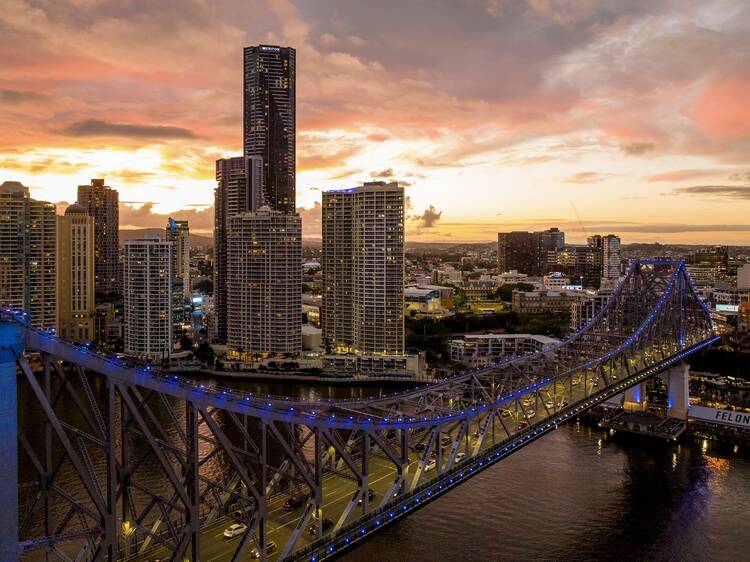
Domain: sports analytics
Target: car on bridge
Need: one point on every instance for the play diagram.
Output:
(460, 457)
(235, 530)
(325, 525)
(370, 495)
(296, 501)
(270, 549)
(431, 464)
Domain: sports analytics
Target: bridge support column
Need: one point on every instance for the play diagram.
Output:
(11, 344)
(635, 398)
(678, 380)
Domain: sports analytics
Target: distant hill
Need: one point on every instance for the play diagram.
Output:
(195, 239)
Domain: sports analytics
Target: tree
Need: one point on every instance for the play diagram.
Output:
(205, 354)
(186, 343)
(205, 286)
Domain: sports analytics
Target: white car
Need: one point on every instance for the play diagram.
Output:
(430, 465)
(460, 457)
(235, 530)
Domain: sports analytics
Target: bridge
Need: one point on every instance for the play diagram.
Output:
(130, 463)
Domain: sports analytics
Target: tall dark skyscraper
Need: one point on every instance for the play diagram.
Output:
(270, 122)
(101, 202)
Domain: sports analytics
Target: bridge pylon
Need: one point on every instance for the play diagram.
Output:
(11, 346)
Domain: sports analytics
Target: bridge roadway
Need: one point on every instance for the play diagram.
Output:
(339, 488)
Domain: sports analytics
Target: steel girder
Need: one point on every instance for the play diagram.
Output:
(157, 459)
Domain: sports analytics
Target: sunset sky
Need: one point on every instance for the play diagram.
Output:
(630, 117)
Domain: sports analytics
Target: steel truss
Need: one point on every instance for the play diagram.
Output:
(133, 462)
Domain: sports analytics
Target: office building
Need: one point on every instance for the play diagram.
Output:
(76, 309)
(363, 269)
(28, 232)
(148, 278)
(270, 122)
(517, 251)
(264, 289)
(101, 202)
(528, 252)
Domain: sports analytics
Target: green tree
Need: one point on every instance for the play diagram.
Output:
(205, 286)
(205, 354)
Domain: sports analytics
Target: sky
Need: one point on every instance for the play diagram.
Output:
(595, 116)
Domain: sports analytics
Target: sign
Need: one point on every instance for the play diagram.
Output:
(726, 417)
(727, 308)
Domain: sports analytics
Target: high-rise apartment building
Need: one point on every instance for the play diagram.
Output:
(264, 289)
(101, 202)
(178, 232)
(148, 278)
(363, 269)
(239, 183)
(270, 122)
(28, 233)
(611, 263)
(76, 309)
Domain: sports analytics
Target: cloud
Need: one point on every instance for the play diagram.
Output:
(740, 176)
(13, 97)
(312, 223)
(387, 173)
(587, 177)
(96, 128)
(144, 216)
(429, 218)
(682, 175)
(741, 192)
(637, 148)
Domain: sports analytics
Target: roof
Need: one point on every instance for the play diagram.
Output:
(75, 208)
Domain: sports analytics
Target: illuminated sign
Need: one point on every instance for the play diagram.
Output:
(272, 49)
(726, 417)
(197, 300)
(727, 308)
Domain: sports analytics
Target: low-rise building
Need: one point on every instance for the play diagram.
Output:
(476, 290)
(366, 366)
(556, 281)
(478, 350)
(511, 277)
(584, 310)
(540, 302)
(422, 301)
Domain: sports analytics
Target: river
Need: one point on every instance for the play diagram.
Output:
(579, 494)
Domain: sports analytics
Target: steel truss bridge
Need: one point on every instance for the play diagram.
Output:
(130, 463)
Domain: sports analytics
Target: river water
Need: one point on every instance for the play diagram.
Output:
(577, 494)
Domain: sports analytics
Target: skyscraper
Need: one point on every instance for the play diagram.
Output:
(178, 232)
(518, 251)
(270, 121)
(101, 202)
(76, 310)
(363, 269)
(28, 233)
(264, 290)
(148, 278)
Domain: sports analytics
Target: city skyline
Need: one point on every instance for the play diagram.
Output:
(595, 116)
